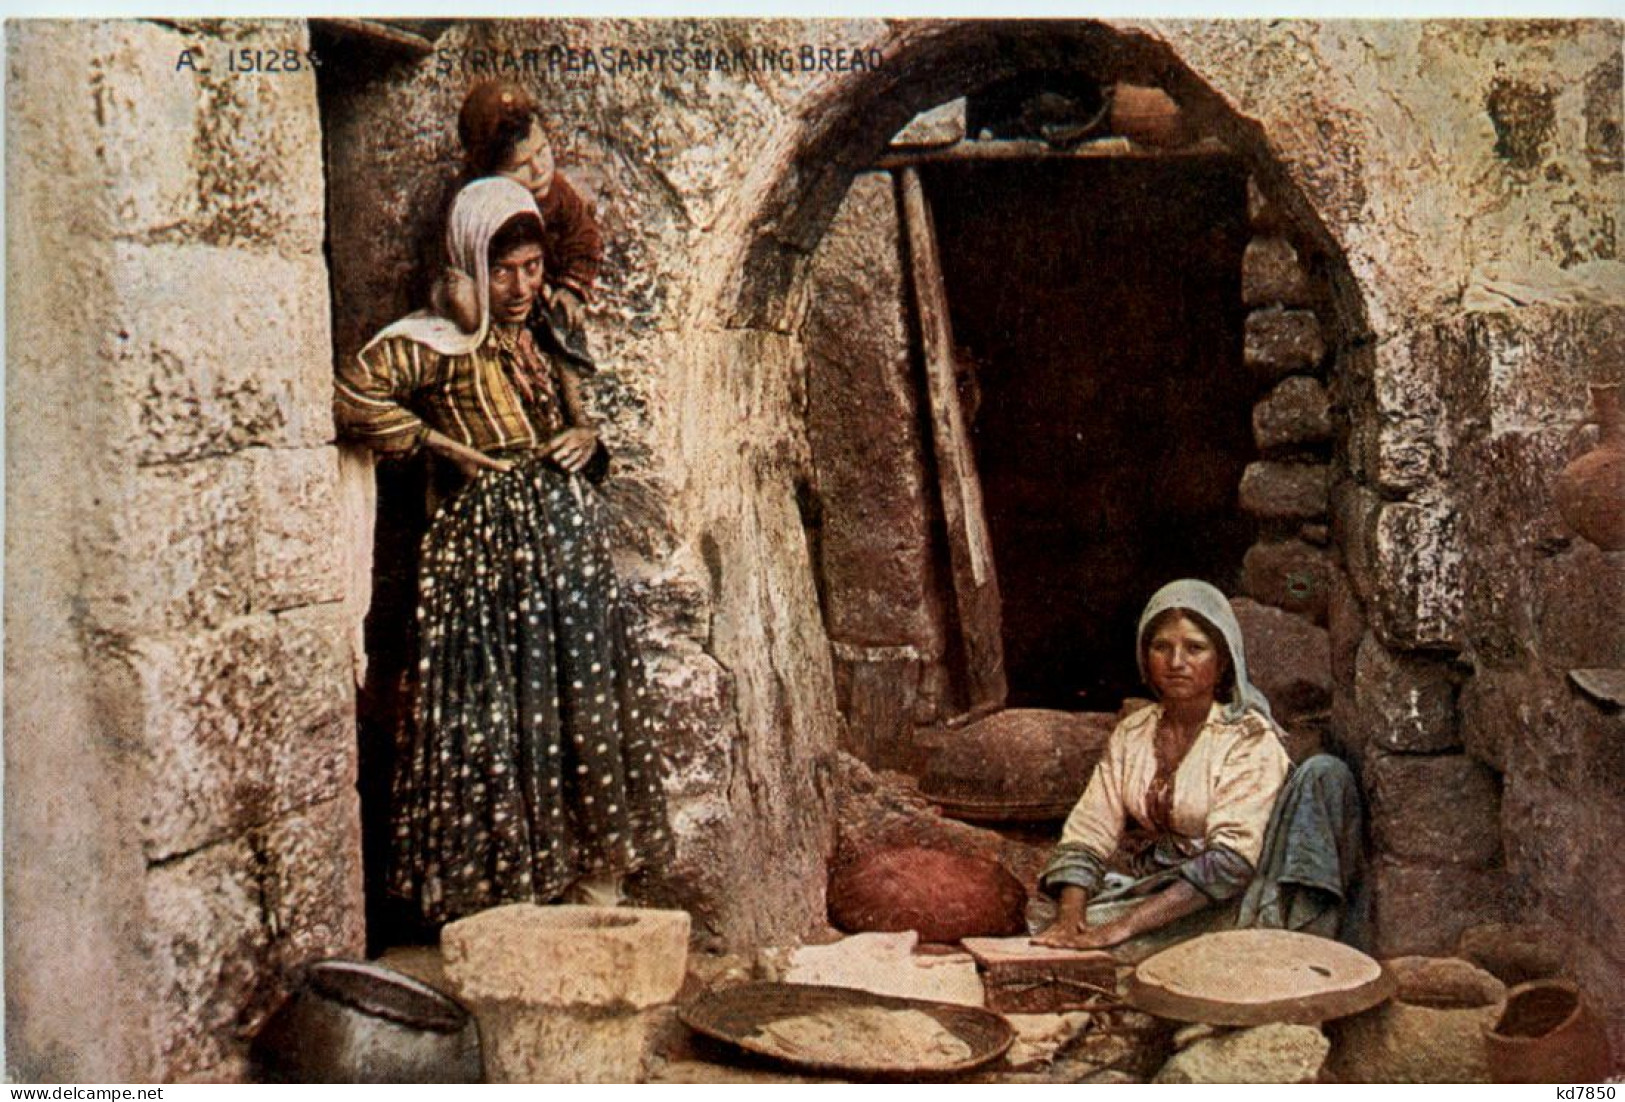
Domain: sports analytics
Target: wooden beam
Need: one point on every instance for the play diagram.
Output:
(970, 551)
(377, 34)
(1023, 150)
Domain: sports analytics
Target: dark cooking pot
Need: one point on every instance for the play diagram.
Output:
(1017, 765)
(352, 1022)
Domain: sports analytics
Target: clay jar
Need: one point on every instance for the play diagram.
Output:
(1148, 116)
(1546, 1034)
(1590, 491)
(945, 896)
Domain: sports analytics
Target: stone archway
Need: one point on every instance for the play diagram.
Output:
(1305, 350)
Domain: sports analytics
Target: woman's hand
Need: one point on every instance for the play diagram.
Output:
(471, 461)
(572, 448)
(1069, 932)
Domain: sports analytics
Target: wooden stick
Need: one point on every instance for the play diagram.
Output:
(970, 552)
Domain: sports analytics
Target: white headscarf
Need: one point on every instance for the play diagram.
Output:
(478, 212)
(1206, 601)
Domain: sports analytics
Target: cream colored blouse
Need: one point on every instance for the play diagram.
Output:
(1224, 790)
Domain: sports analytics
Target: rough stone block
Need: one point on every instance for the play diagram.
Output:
(1517, 952)
(941, 125)
(1285, 491)
(249, 363)
(1417, 577)
(296, 550)
(1435, 809)
(1430, 1032)
(243, 724)
(1407, 704)
(208, 946)
(1262, 214)
(1487, 704)
(311, 869)
(1296, 414)
(1537, 360)
(1291, 575)
(696, 697)
(1422, 909)
(1282, 342)
(1412, 445)
(1272, 274)
(1288, 658)
(180, 553)
(1345, 622)
(863, 424)
(567, 956)
(208, 153)
(1579, 608)
(1497, 617)
(1263, 1054)
(878, 700)
(1354, 528)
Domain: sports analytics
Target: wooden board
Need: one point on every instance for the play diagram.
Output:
(970, 551)
(1022, 978)
(1255, 977)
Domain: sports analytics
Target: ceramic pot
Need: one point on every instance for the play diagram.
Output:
(1547, 1034)
(945, 896)
(1016, 765)
(1148, 116)
(1590, 491)
(352, 1022)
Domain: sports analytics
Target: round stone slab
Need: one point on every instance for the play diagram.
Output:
(1254, 977)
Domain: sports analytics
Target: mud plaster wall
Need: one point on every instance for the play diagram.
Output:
(1395, 142)
(180, 807)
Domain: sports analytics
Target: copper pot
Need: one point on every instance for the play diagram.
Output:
(1547, 1034)
(353, 1022)
(1590, 491)
(1148, 116)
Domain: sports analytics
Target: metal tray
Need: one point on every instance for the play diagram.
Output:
(733, 1015)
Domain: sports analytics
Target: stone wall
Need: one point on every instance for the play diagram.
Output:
(180, 808)
(881, 584)
(1489, 157)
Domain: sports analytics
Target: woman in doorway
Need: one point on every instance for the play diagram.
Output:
(1190, 822)
(528, 769)
(500, 128)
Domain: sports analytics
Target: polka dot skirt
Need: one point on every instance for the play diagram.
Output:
(530, 759)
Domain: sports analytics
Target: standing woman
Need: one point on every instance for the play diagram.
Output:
(527, 770)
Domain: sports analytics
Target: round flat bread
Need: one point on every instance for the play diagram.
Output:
(1254, 977)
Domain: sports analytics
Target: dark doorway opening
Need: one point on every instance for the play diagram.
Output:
(1099, 300)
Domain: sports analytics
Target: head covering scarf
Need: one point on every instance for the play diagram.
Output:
(1201, 598)
(478, 212)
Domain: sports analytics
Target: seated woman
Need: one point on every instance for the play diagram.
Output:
(1192, 801)
(528, 769)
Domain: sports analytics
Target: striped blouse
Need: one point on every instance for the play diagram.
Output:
(504, 396)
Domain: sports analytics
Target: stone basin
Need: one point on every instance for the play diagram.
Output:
(562, 993)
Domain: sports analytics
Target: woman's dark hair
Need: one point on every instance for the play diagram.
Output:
(523, 228)
(495, 119)
(1226, 688)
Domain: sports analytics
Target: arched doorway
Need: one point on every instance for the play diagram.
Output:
(1158, 346)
